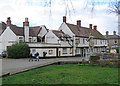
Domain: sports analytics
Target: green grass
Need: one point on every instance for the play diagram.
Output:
(65, 74)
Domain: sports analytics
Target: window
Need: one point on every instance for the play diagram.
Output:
(100, 41)
(64, 51)
(77, 41)
(30, 39)
(77, 50)
(96, 41)
(70, 50)
(50, 52)
(83, 40)
(20, 39)
(105, 41)
(115, 41)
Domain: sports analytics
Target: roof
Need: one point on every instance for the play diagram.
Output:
(17, 30)
(84, 31)
(60, 34)
(113, 36)
(33, 31)
(1, 31)
(2, 27)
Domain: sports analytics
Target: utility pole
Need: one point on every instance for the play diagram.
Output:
(119, 22)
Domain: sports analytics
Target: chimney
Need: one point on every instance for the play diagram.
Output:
(90, 26)
(26, 29)
(64, 19)
(107, 33)
(8, 21)
(114, 32)
(95, 27)
(26, 22)
(79, 23)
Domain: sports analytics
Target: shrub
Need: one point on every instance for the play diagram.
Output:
(18, 50)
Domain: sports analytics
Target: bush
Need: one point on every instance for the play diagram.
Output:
(18, 50)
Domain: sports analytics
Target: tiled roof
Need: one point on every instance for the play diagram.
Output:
(84, 31)
(17, 30)
(2, 27)
(33, 31)
(60, 34)
(113, 36)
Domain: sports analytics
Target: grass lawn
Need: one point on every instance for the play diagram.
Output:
(65, 74)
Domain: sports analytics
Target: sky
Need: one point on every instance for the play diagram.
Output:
(41, 13)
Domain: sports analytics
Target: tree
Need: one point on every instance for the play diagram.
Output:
(18, 50)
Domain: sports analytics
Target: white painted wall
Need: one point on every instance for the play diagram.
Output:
(51, 37)
(26, 33)
(66, 29)
(8, 38)
(0, 44)
(43, 31)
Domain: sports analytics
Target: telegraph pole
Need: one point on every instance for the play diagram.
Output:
(119, 23)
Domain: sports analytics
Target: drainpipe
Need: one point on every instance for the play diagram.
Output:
(74, 46)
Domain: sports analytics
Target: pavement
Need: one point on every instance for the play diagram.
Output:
(12, 66)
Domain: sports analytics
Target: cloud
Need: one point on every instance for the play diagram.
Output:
(40, 14)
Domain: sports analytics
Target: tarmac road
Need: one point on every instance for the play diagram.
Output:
(12, 65)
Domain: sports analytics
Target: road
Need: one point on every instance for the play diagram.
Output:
(15, 65)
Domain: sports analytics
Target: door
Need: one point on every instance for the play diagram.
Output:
(56, 52)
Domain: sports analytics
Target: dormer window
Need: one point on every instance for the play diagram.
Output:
(115, 41)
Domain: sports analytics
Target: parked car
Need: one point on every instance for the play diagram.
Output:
(103, 52)
(4, 54)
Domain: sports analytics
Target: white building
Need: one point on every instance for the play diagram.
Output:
(12, 34)
(77, 38)
(68, 40)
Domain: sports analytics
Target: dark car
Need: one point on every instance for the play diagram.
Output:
(4, 54)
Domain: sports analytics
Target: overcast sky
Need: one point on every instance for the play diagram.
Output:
(40, 13)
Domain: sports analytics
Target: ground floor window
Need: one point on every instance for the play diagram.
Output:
(64, 51)
(50, 52)
(71, 50)
(77, 50)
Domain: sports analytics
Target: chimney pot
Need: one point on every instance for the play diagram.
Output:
(114, 32)
(95, 27)
(8, 21)
(26, 23)
(26, 19)
(91, 26)
(79, 23)
(64, 19)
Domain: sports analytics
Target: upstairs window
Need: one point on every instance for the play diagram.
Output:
(100, 41)
(83, 40)
(30, 39)
(96, 41)
(20, 39)
(115, 41)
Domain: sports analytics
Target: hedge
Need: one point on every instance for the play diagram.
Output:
(18, 50)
